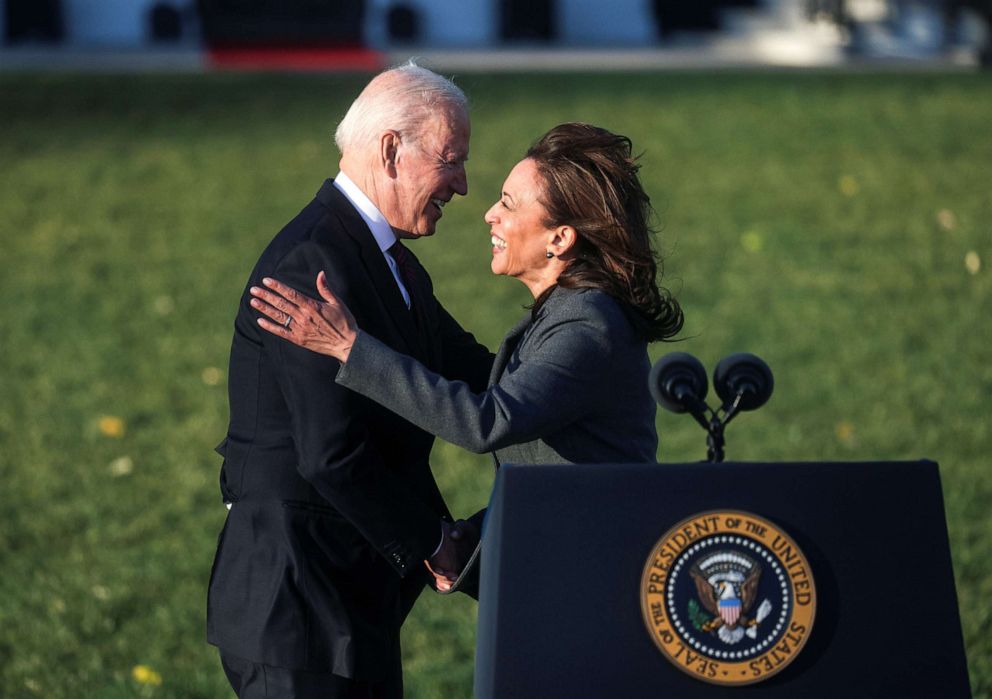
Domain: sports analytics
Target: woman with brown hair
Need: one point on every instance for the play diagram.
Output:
(570, 381)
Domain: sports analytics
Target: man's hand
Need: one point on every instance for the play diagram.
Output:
(458, 542)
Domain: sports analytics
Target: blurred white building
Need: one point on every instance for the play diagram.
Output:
(793, 32)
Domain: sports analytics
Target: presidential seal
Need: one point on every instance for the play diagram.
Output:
(728, 597)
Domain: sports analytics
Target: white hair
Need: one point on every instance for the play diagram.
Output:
(401, 99)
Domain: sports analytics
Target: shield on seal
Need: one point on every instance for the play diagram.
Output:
(730, 610)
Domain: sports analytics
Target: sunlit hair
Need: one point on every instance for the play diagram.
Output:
(402, 99)
(589, 182)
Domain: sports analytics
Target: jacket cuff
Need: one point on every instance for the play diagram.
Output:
(361, 360)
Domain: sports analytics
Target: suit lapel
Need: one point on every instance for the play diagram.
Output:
(425, 314)
(374, 262)
(510, 343)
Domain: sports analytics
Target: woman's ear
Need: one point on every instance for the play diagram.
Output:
(389, 144)
(563, 240)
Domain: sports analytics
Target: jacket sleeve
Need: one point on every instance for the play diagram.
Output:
(560, 378)
(332, 436)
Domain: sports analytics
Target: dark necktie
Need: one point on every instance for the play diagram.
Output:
(408, 272)
(410, 275)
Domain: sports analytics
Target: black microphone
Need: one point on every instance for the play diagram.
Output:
(678, 383)
(743, 380)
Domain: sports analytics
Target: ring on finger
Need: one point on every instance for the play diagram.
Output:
(289, 319)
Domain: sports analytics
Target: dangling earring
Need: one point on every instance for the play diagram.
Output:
(549, 254)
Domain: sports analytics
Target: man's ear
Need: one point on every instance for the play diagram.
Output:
(389, 144)
(563, 240)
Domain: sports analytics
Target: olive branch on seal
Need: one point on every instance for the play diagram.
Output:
(697, 616)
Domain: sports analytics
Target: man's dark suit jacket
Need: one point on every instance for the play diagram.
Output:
(334, 504)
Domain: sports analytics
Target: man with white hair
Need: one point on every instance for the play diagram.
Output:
(333, 507)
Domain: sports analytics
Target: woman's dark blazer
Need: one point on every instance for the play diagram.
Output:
(567, 386)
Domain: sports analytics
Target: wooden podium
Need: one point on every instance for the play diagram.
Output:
(566, 567)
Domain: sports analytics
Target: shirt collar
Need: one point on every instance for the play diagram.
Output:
(381, 230)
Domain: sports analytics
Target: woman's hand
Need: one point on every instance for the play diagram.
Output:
(325, 327)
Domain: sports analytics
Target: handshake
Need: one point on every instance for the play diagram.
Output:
(458, 542)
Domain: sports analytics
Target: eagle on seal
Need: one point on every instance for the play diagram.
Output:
(727, 585)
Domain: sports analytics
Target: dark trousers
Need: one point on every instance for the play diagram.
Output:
(256, 681)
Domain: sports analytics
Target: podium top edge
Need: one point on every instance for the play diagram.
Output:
(518, 468)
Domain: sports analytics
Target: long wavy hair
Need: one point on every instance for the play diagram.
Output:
(590, 183)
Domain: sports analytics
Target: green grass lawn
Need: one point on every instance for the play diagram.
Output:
(840, 226)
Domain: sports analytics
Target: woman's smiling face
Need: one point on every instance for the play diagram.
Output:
(520, 240)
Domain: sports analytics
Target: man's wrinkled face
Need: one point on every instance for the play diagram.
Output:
(430, 170)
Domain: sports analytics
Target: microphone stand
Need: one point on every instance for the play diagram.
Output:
(714, 424)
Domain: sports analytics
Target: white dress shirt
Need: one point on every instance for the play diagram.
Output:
(381, 230)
